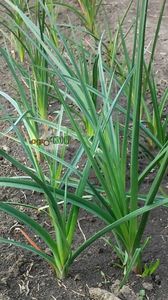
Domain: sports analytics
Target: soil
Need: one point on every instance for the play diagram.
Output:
(26, 276)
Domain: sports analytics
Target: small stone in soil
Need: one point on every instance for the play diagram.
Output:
(147, 286)
(6, 149)
(77, 277)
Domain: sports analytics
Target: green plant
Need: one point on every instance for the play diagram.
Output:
(16, 25)
(52, 13)
(155, 120)
(61, 256)
(17, 70)
(36, 77)
(151, 268)
(142, 295)
(152, 116)
(60, 247)
(39, 66)
(106, 154)
(34, 74)
(87, 12)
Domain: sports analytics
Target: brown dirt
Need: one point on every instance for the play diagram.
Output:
(24, 275)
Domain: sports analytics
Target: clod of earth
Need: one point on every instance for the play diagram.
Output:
(100, 294)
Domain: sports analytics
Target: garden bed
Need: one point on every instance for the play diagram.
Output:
(26, 276)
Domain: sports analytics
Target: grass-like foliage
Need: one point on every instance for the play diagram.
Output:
(104, 138)
(152, 116)
(35, 72)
